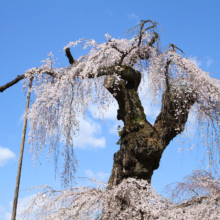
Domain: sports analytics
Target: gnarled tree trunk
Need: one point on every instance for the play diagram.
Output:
(142, 144)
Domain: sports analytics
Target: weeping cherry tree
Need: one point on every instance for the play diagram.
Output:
(117, 70)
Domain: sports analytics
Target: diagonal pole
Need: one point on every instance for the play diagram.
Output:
(13, 217)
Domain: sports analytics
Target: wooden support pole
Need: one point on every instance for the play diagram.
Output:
(13, 217)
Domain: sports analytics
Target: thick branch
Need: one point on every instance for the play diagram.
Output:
(132, 76)
(141, 33)
(19, 78)
(191, 202)
(153, 39)
(173, 117)
(69, 56)
(8, 85)
(142, 23)
(167, 76)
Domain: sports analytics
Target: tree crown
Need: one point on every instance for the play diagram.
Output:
(61, 94)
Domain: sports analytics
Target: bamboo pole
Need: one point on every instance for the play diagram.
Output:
(13, 217)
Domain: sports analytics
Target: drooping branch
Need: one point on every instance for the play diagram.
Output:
(142, 32)
(174, 48)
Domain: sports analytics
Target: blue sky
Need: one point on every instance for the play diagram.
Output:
(31, 29)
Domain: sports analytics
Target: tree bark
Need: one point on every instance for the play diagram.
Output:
(142, 144)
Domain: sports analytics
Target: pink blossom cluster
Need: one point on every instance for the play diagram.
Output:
(132, 199)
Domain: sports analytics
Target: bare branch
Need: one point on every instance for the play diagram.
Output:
(142, 23)
(174, 48)
(69, 56)
(153, 39)
(13, 82)
(113, 46)
(192, 202)
(155, 36)
(19, 78)
(167, 76)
